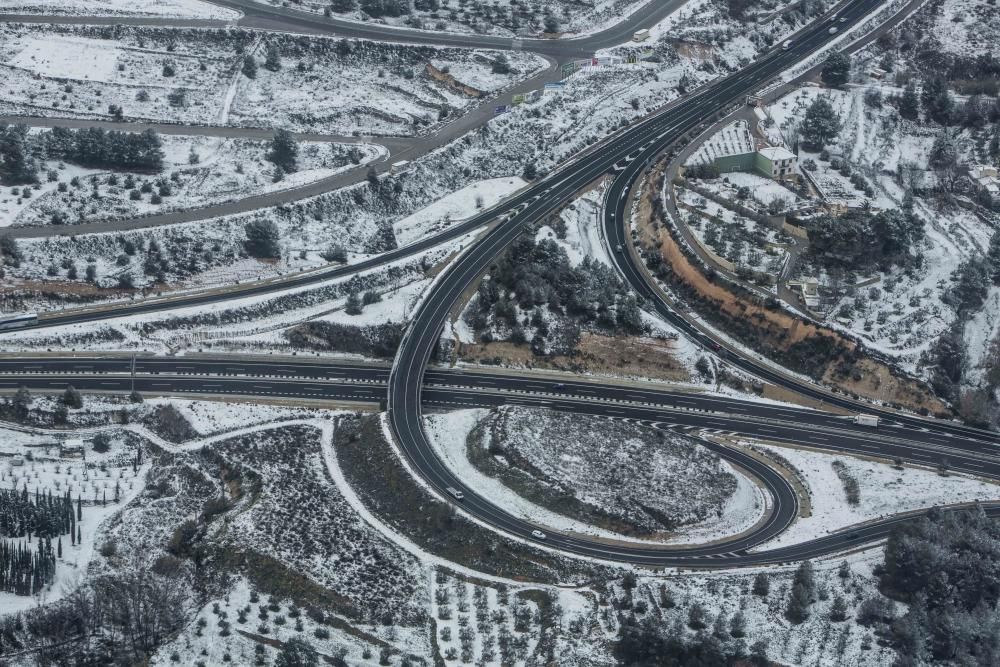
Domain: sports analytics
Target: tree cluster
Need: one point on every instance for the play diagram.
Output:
(17, 164)
(860, 240)
(646, 644)
(105, 149)
(263, 239)
(23, 570)
(946, 566)
(379, 340)
(534, 275)
(41, 515)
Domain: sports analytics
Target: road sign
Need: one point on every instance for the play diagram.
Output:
(568, 69)
(503, 108)
(517, 99)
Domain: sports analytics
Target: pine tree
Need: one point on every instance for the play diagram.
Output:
(838, 611)
(71, 398)
(836, 70)
(696, 617)
(249, 67)
(761, 585)
(353, 305)
(738, 625)
(284, 151)
(805, 578)
(821, 123)
(273, 59)
(263, 239)
(59, 548)
(17, 165)
(22, 404)
(909, 102)
(797, 610)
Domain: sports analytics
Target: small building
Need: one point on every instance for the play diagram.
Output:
(986, 178)
(775, 162)
(73, 447)
(808, 288)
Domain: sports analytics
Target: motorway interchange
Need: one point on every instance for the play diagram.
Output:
(412, 382)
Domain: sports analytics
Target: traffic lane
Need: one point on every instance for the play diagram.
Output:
(804, 435)
(642, 131)
(547, 389)
(350, 393)
(615, 232)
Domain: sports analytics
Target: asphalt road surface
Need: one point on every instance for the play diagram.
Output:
(632, 151)
(261, 16)
(694, 414)
(408, 383)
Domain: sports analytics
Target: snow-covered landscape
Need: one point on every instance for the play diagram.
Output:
(371, 332)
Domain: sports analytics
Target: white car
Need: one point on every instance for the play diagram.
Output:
(455, 493)
(833, 30)
(537, 534)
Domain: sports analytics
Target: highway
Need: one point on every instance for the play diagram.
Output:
(697, 415)
(262, 16)
(409, 384)
(629, 153)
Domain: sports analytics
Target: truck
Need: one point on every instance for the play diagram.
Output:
(866, 420)
(399, 167)
(640, 35)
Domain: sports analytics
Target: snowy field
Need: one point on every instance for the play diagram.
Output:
(896, 312)
(744, 242)
(454, 207)
(373, 89)
(318, 85)
(198, 171)
(726, 601)
(47, 461)
(502, 17)
(967, 27)
(186, 9)
(505, 464)
(883, 490)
